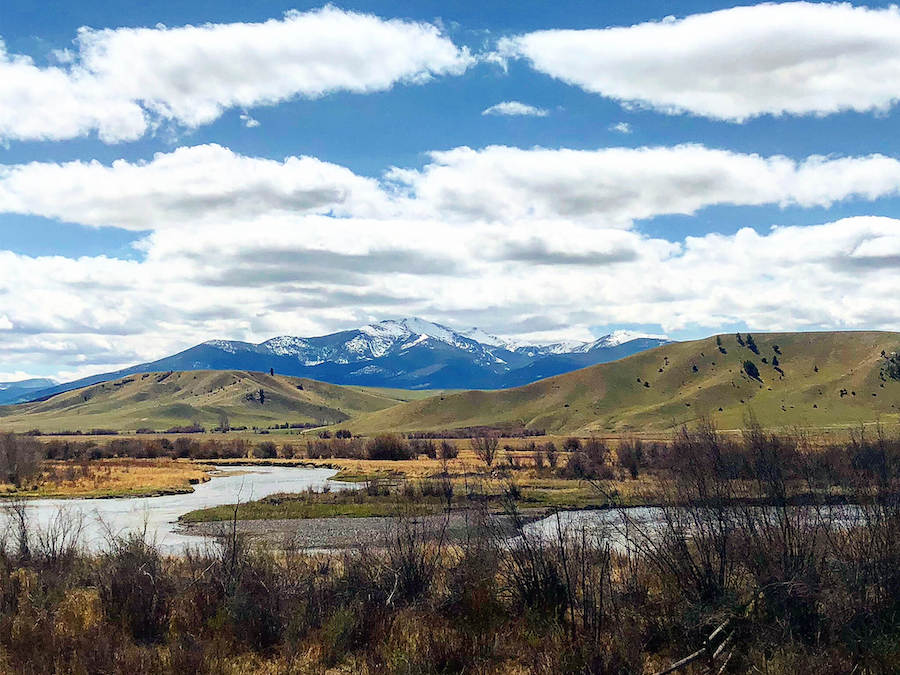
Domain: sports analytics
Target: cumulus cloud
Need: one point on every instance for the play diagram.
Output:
(787, 58)
(190, 184)
(515, 109)
(55, 103)
(253, 283)
(621, 127)
(519, 241)
(616, 186)
(123, 79)
(249, 121)
(610, 187)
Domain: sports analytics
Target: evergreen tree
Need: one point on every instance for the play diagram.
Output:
(751, 369)
(751, 344)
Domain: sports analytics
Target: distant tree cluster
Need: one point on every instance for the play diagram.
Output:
(891, 366)
(751, 344)
(751, 369)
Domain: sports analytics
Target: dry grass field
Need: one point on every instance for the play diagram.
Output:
(123, 477)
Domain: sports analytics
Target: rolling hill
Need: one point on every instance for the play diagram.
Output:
(160, 401)
(821, 380)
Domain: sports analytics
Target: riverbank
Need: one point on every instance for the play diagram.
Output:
(109, 478)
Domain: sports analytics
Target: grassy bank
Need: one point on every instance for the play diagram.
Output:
(122, 477)
(313, 505)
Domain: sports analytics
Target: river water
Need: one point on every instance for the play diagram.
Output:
(104, 517)
(158, 516)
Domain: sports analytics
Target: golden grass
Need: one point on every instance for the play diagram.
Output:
(111, 478)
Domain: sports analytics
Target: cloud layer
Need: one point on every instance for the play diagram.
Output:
(609, 187)
(122, 81)
(207, 183)
(787, 58)
(313, 274)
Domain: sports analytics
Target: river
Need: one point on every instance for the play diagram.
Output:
(158, 516)
(102, 517)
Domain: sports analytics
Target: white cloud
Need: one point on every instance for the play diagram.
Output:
(621, 127)
(610, 187)
(16, 376)
(515, 109)
(123, 78)
(616, 186)
(521, 242)
(55, 104)
(249, 121)
(787, 58)
(190, 184)
(312, 274)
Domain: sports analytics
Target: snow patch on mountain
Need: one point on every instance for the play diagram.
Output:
(620, 337)
(230, 346)
(484, 338)
(286, 345)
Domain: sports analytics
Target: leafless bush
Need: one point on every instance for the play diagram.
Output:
(59, 542)
(425, 447)
(630, 455)
(538, 456)
(415, 551)
(691, 546)
(485, 447)
(590, 462)
(20, 458)
(551, 453)
(17, 529)
(134, 587)
(389, 447)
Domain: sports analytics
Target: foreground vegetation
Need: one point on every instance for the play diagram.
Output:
(780, 589)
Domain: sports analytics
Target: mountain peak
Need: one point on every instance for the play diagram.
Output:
(412, 326)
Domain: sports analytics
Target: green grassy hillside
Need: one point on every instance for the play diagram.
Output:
(162, 400)
(677, 383)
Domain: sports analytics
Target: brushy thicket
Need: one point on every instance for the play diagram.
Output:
(802, 588)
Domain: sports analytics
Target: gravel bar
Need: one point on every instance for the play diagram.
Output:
(347, 533)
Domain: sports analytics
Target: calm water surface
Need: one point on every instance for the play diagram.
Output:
(102, 517)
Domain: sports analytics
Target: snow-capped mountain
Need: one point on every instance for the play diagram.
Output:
(409, 353)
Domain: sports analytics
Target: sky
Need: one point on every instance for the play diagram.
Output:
(176, 172)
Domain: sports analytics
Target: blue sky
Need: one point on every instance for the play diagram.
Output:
(778, 116)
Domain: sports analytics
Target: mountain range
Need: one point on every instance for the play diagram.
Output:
(827, 382)
(410, 353)
(23, 390)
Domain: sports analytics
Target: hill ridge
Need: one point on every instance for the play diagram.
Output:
(168, 399)
(680, 382)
